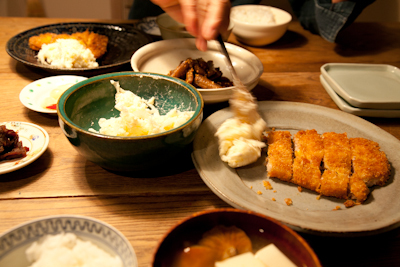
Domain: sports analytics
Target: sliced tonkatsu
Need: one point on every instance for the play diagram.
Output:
(280, 155)
(370, 167)
(309, 152)
(337, 165)
(331, 164)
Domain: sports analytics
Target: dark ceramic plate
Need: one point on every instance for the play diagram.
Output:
(124, 40)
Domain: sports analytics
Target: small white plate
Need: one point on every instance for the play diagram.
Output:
(33, 95)
(163, 56)
(32, 136)
(374, 86)
(343, 105)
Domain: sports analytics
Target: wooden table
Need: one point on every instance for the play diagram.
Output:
(145, 207)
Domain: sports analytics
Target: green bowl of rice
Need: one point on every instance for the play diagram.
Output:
(131, 121)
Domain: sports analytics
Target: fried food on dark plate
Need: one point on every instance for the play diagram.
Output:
(97, 43)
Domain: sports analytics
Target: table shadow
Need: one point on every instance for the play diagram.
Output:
(42, 119)
(366, 39)
(369, 248)
(289, 40)
(26, 175)
(179, 164)
(34, 73)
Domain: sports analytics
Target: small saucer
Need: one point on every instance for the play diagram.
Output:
(34, 94)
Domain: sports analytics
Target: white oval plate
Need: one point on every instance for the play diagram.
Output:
(33, 95)
(163, 56)
(32, 136)
(239, 187)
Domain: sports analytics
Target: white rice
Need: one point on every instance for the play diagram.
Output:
(67, 54)
(67, 250)
(139, 117)
(254, 15)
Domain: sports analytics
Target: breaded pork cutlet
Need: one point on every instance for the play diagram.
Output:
(97, 43)
(370, 166)
(280, 155)
(309, 152)
(350, 165)
(337, 165)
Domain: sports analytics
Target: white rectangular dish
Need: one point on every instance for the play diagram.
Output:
(343, 105)
(373, 86)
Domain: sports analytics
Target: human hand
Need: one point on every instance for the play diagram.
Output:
(204, 19)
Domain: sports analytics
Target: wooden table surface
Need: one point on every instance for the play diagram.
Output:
(145, 206)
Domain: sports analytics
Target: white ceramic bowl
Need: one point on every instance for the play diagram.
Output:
(14, 242)
(258, 33)
(171, 29)
(163, 56)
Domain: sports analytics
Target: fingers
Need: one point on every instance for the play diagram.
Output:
(204, 19)
(172, 7)
(215, 19)
(201, 43)
(184, 11)
(190, 16)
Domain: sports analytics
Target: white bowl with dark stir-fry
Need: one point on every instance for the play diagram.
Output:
(168, 57)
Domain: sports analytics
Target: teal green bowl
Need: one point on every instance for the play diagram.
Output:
(82, 105)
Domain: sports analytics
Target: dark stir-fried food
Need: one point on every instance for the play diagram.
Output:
(10, 146)
(201, 74)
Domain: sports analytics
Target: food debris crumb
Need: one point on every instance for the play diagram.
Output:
(251, 187)
(337, 208)
(267, 185)
(273, 199)
(288, 201)
(318, 197)
(274, 191)
(259, 192)
(349, 203)
(300, 188)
